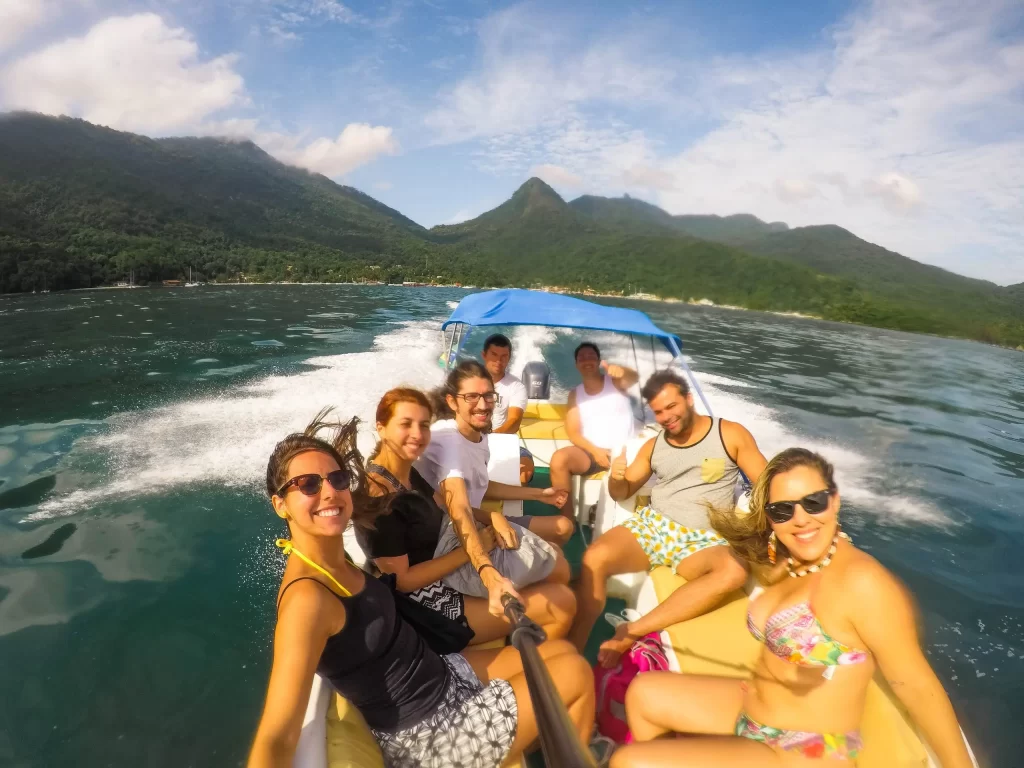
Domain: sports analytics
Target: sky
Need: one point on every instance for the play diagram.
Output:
(901, 120)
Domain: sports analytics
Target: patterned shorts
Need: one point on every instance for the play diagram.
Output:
(473, 727)
(666, 542)
(443, 599)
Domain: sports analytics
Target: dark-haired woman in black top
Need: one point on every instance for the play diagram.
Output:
(425, 710)
(402, 541)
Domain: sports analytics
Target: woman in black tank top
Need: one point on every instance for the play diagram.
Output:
(425, 710)
(402, 538)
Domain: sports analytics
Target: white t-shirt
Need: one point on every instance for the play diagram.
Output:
(451, 455)
(511, 394)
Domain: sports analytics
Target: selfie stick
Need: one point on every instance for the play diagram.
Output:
(558, 739)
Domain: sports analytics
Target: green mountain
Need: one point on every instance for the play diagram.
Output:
(942, 300)
(84, 205)
(632, 214)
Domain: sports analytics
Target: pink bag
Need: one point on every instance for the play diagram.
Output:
(646, 655)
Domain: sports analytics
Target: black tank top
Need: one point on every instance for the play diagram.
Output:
(379, 663)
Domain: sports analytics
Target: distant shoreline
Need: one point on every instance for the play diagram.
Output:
(547, 289)
(551, 289)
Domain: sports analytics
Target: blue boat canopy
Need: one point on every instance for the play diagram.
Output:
(516, 306)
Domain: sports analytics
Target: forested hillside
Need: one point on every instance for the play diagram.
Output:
(83, 206)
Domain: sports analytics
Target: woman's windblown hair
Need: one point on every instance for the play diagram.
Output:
(326, 435)
(748, 534)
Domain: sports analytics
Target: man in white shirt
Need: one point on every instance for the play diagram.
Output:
(599, 419)
(511, 403)
(455, 462)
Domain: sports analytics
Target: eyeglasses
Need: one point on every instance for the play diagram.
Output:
(472, 398)
(310, 485)
(814, 503)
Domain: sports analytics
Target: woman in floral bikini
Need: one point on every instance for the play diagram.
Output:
(825, 630)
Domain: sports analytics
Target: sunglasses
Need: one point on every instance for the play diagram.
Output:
(310, 485)
(472, 398)
(814, 503)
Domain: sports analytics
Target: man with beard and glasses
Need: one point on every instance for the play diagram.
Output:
(458, 454)
(697, 460)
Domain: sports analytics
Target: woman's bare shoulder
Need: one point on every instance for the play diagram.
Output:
(864, 576)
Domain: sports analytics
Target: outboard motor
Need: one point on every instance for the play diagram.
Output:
(537, 380)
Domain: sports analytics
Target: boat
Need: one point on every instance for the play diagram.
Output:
(190, 284)
(716, 643)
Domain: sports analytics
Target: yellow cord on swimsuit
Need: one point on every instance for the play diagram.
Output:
(289, 549)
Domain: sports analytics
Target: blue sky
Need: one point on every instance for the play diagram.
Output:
(902, 120)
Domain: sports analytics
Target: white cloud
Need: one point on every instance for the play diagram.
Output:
(17, 17)
(129, 72)
(900, 132)
(531, 77)
(905, 125)
(332, 10)
(795, 190)
(356, 145)
(556, 175)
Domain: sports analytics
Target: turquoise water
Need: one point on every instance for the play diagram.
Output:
(136, 561)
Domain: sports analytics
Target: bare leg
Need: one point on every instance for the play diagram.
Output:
(526, 468)
(550, 605)
(561, 573)
(615, 551)
(668, 702)
(571, 675)
(711, 575)
(557, 530)
(659, 703)
(710, 752)
(566, 462)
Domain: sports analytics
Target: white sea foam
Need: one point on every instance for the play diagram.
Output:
(226, 439)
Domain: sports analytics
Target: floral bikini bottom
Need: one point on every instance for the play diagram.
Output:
(842, 746)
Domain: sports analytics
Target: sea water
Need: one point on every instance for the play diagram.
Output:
(137, 566)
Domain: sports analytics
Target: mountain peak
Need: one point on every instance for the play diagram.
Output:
(535, 192)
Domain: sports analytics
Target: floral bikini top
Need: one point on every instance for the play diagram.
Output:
(795, 635)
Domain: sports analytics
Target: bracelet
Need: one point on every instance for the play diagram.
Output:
(486, 565)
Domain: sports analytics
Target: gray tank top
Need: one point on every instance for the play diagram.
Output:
(688, 479)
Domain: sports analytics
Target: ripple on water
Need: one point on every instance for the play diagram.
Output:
(267, 343)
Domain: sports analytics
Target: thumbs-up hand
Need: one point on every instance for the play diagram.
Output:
(613, 370)
(619, 466)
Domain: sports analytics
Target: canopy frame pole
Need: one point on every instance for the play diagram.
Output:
(450, 338)
(640, 393)
(463, 338)
(678, 356)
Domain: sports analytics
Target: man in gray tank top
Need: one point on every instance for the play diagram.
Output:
(697, 461)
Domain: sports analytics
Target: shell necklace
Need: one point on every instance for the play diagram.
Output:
(817, 566)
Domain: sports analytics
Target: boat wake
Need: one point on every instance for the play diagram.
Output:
(226, 439)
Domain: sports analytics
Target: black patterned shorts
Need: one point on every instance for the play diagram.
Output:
(473, 727)
(443, 599)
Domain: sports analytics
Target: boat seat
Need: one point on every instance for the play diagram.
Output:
(540, 429)
(543, 421)
(541, 409)
(718, 643)
(350, 744)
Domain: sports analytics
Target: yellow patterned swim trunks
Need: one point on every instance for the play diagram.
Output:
(666, 542)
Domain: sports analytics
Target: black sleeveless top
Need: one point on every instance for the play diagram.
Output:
(379, 663)
(412, 524)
